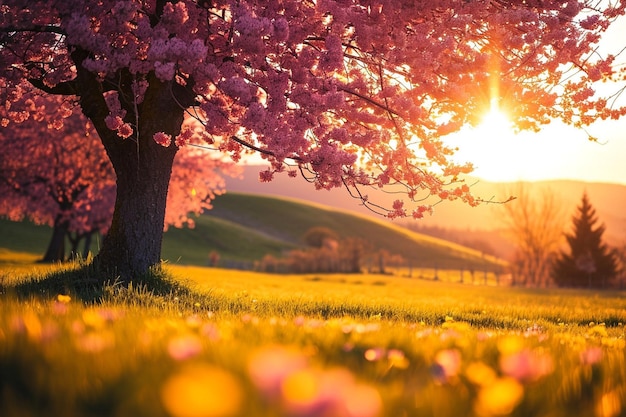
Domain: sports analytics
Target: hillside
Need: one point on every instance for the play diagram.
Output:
(282, 222)
(243, 228)
(466, 223)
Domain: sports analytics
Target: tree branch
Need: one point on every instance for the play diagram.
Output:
(67, 88)
(34, 28)
(263, 151)
(369, 100)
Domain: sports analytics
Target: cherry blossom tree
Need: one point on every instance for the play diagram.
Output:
(60, 178)
(68, 183)
(350, 93)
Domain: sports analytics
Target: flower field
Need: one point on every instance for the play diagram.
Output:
(218, 343)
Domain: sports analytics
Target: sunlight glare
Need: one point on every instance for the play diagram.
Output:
(495, 122)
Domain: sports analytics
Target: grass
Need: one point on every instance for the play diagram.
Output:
(192, 341)
(233, 241)
(24, 236)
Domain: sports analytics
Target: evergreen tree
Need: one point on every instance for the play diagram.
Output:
(590, 262)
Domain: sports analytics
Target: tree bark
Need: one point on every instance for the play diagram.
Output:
(133, 243)
(56, 247)
(87, 245)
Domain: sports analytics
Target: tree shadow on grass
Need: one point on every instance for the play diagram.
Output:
(82, 281)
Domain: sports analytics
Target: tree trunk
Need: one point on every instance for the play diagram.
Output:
(143, 168)
(133, 243)
(87, 245)
(56, 247)
(74, 241)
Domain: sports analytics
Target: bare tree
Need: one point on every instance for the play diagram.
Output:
(620, 254)
(534, 222)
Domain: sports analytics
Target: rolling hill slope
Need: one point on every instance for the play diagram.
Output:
(243, 228)
(278, 224)
(480, 227)
(609, 200)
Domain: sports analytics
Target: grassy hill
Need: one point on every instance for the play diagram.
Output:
(244, 227)
(607, 199)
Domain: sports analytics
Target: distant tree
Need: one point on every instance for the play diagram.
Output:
(620, 254)
(63, 181)
(534, 223)
(352, 252)
(319, 236)
(590, 262)
(67, 182)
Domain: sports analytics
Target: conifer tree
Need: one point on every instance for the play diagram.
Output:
(590, 262)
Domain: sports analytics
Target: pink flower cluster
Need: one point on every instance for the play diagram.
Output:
(114, 120)
(162, 139)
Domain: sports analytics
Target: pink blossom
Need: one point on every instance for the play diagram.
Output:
(266, 176)
(162, 139)
(333, 58)
(174, 15)
(237, 87)
(113, 122)
(419, 212)
(164, 71)
(398, 210)
(125, 131)
(113, 102)
(183, 138)
(281, 29)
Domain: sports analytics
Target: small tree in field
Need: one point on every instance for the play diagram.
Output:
(353, 94)
(68, 183)
(534, 223)
(63, 181)
(590, 262)
(320, 236)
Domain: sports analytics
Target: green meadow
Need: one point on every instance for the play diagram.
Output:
(215, 342)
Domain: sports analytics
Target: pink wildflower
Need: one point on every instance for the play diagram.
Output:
(591, 356)
(184, 347)
(526, 365)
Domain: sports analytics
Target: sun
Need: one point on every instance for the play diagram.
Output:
(492, 146)
(496, 122)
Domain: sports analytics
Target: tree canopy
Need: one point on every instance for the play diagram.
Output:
(350, 93)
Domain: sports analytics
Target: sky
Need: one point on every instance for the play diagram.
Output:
(556, 152)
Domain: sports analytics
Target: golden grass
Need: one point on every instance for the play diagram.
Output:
(236, 343)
